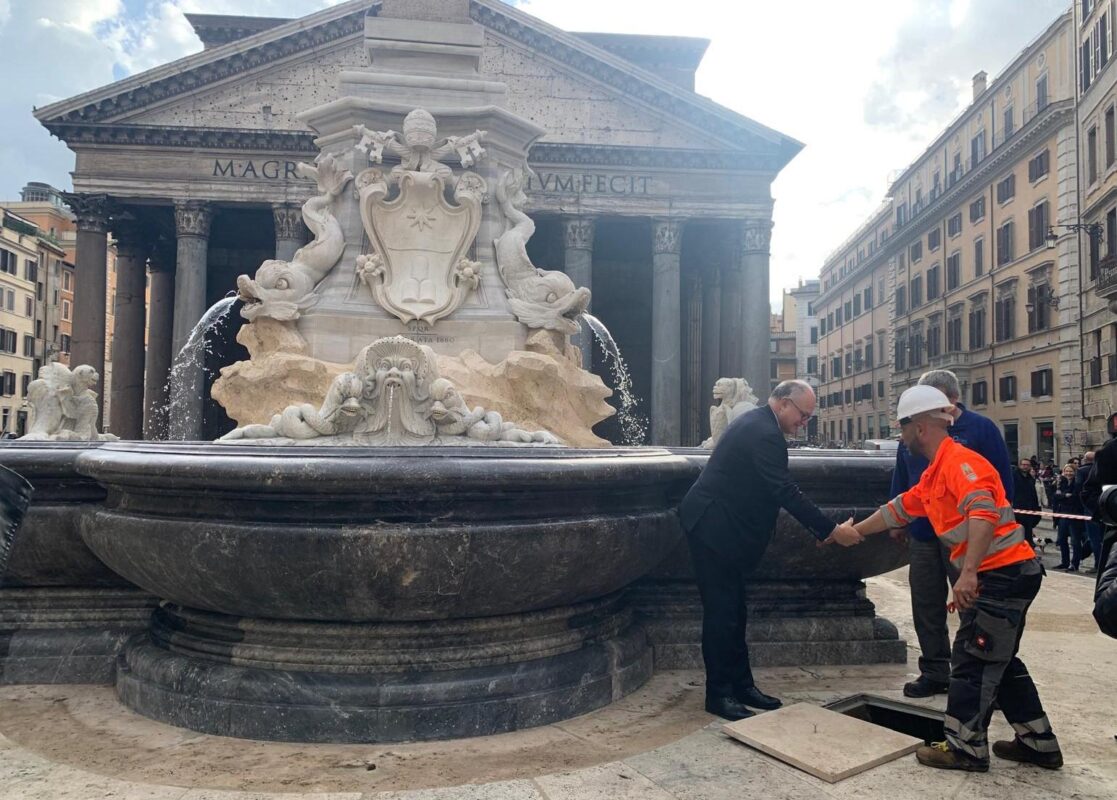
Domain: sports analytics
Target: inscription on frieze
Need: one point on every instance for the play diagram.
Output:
(587, 183)
(272, 169)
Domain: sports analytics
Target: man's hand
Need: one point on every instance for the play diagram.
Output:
(898, 534)
(965, 589)
(845, 534)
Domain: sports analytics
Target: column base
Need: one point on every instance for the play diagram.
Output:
(381, 682)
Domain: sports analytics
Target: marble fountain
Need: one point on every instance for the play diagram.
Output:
(413, 533)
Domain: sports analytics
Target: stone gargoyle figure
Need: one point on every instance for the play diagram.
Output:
(393, 396)
(453, 417)
(283, 290)
(539, 298)
(64, 406)
(735, 398)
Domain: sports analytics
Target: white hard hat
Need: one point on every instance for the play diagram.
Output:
(923, 399)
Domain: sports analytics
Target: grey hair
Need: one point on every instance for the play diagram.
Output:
(789, 388)
(944, 380)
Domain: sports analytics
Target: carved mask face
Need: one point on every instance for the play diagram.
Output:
(448, 405)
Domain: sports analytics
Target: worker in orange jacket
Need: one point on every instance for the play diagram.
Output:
(999, 575)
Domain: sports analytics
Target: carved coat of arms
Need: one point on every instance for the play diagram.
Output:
(417, 268)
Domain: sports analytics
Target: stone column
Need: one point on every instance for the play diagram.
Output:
(126, 415)
(711, 340)
(289, 235)
(692, 354)
(192, 220)
(756, 234)
(89, 313)
(160, 330)
(578, 264)
(731, 346)
(666, 406)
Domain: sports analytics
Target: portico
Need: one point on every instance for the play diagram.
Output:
(655, 198)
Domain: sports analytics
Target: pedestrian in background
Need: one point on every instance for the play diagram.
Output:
(1093, 530)
(1070, 530)
(1026, 499)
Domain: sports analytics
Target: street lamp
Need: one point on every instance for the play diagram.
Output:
(1095, 230)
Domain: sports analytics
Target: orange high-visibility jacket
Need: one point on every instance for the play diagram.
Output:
(960, 485)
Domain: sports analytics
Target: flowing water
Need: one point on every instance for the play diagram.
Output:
(634, 426)
(184, 394)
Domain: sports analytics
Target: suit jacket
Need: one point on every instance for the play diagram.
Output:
(732, 507)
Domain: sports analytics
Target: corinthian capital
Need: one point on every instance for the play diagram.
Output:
(192, 218)
(92, 210)
(667, 236)
(579, 233)
(756, 236)
(288, 221)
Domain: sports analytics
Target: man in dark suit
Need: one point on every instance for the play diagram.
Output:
(729, 516)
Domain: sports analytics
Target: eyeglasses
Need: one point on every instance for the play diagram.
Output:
(803, 415)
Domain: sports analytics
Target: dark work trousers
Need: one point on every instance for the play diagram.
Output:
(985, 667)
(929, 577)
(721, 583)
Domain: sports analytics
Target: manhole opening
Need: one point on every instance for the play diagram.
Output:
(924, 723)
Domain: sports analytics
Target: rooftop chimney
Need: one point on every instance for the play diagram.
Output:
(980, 82)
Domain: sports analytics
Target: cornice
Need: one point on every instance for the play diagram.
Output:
(658, 158)
(84, 133)
(1039, 127)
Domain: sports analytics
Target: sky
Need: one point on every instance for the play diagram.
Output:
(864, 85)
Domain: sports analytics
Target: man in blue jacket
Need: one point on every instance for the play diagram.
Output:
(929, 575)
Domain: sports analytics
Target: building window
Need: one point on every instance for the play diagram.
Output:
(848, 310)
(1037, 226)
(954, 331)
(1004, 244)
(1006, 388)
(1004, 317)
(954, 225)
(916, 291)
(868, 297)
(8, 261)
(1085, 76)
(31, 270)
(857, 304)
(977, 209)
(849, 363)
(977, 149)
(29, 306)
(1009, 122)
(1039, 166)
(812, 365)
(67, 278)
(1109, 138)
(901, 354)
(880, 391)
(8, 341)
(934, 338)
(916, 252)
(836, 367)
(1039, 307)
(980, 393)
(838, 316)
(978, 258)
(953, 271)
(1006, 189)
(1041, 93)
(814, 334)
(934, 239)
(934, 287)
(66, 310)
(9, 384)
(1092, 155)
(25, 382)
(977, 327)
(28, 345)
(1041, 383)
(915, 351)
(869, 353)
(65, 343)
(11, 304)
(901, 300)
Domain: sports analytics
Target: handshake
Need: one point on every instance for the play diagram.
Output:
(845, 534)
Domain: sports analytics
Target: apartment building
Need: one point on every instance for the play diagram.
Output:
(978, 278)
(853, 336)
(799, 318)
(1097, 306)
(19, 270)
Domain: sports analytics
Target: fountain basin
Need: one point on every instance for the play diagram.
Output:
(382, 594)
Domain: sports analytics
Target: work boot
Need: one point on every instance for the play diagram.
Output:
(757, 699)
(727, 708)
(1016, 750)
(941, 755)
(925, 687)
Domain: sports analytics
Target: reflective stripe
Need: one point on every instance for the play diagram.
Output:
(1007, 514)
(998, 544)
(955, 535)
(984, 494)
(894, 514)
(1041, 725)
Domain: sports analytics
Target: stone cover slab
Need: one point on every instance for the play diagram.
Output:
(824, 743)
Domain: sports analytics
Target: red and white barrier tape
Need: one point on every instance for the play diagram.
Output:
(1052, 514)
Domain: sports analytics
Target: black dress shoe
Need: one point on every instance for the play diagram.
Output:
(727, 708)
(925, 687)
(757, 699)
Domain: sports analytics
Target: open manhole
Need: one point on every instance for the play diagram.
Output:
(923, 723)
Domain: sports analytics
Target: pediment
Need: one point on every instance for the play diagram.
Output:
(581, 93)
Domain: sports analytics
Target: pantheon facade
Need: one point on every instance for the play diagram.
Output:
(651, 195)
